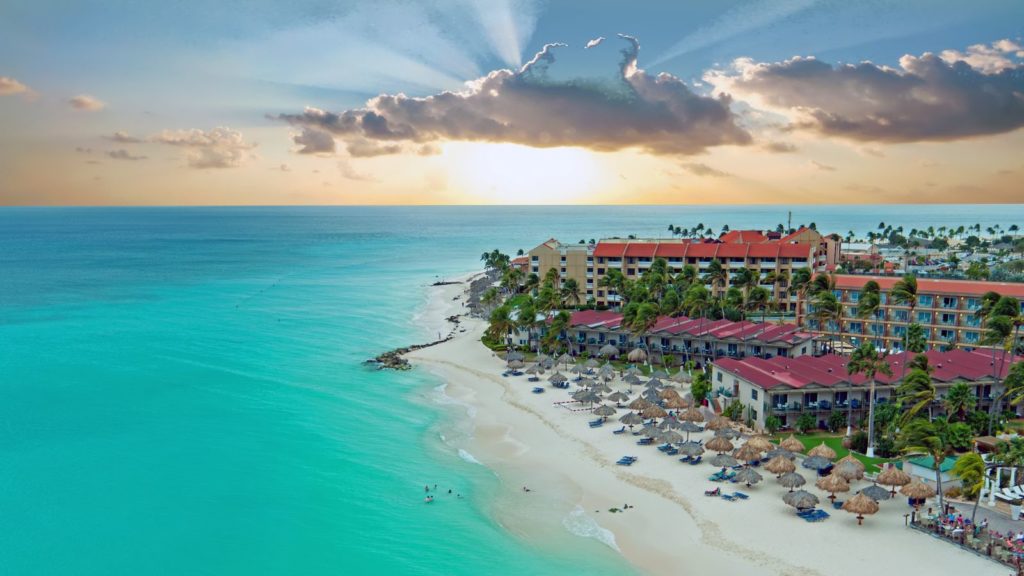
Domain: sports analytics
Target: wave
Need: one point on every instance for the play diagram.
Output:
(441, 397)
(469, 457)
(578, 523)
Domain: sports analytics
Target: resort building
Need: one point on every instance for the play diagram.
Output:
(946, 310)
(761, 252)
(683, 339)
(788, 387)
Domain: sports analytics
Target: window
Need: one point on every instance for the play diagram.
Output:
(924, 317)
(900, 315)
(854, 296)
(600, 270)
(630, 271)
(971, 337)
(925, 300)
(753, 394)
(856, 327)
(719, 376)
(973, 303)
(534, 258)
(948, 302)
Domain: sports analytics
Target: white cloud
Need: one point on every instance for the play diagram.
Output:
(87, 103)
(221, 147)
(10, 86)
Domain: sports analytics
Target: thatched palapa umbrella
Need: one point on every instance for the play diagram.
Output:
(748, 453)
(651, 396)
(792, 444)
(833, 483)
(876, 493)
(692, 415)
(816, 463)
(761, 443)
(849, 468)
(780, 465)
(659, 374)
(631, 419)
(591, 363)
(654, 412)
(608, 351)
(618, 396)
(779, 452)
(893, 476)
(691, 449)
(719, 445)
(515, 356)
(670, 437)
(516, 364)
(860, 505)
(670, 423)
(586, 397)
(917, 490)
(557, 378)
(727, 433)
(601, 388)
(823, 450)
(666, 393)
(605, 410)
(547, 364)
(565, 359)
(723, 461)
(676, 403)
(650, 430)
(719, 423)
(533, 370)
(748, 476)
(689, 427)
(577, 369)
(640, 404)
(792, 480)
(637, 355)
(801, 499)
(631, 379)
(654, 383)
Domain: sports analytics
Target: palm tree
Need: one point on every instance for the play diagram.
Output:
(615, 280)
(558, 324)
(971, 470)
(828, 308)
(490, 297)
(917, 391)
(715, 275)
(501, 324)
(571, 292)
(1004, 322)
(960, 400)
(645, 317)
(801, 280)
(868, 361)
(745, 280)
(921, 437)
(526, 319)
(905, 292)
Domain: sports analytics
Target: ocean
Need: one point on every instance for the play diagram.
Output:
(182, 389)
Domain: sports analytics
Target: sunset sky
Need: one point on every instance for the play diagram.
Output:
(510, 101)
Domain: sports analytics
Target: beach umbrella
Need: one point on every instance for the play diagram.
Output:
(893, 476)
(586, 382)
(605, 410)
(747, 453)
(577, 369)
(565, 359)
(792, 444)
(608, 351)
(516, 364)
(761, 443)
(591, 363)
(667, 393)
(692, 415)
(681, 377)
(669, 423)
(547, 364)
(801, 499)
(532, 370)
(816, 463)
(633, 371)
(541, 357)
(651, 396)
(650, 430)
(659, 374)
(676, 403)
(727, 433)
(637, 355)
(557, 378)
(653, 412)
(780, 465)
(876, 493)
(849, 468)
(601, 388)
(792, 480)
(861, 505)
(687, 426)
(833, 483)
(586, 397)
(640, 404)
(719, 423)
(618, 396)
(671, 437)
(748, 476)
(654, 383)
(779, 452)
(691, 449)
(517, 356)
(822, 450)
(723, 461)
(631, 419)
(606, 371)
(719, 444)
(631, 379)
(917, 490)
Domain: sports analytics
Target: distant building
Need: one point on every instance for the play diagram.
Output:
(945, 309)
(788, 387)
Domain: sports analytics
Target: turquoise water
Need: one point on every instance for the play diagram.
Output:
(181, 389)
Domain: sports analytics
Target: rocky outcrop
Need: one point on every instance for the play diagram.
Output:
(395, 359)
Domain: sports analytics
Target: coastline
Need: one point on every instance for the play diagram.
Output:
(530, 442)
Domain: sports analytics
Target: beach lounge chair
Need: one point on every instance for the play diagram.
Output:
(596, 423)
(538, 390)
(695, 460)
(619, 431)
(626, 461)
(684, 459)
(664, 447)
(837, 504)
(672, 451)
(645, 441)
(740, 495)
(533, 379)
(728, 497)
(714, 492)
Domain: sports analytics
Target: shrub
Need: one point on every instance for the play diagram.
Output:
(734, 410)
(954, 491)
(859, 441)
(806, 422)
(885, 446)
(960, 436)
(772, 424)
(836, 420)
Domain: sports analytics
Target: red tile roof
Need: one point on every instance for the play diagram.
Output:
(830, 370)
(935, 286)
(795, 250)
(743, 237)
(751, 332)
(609, 249)
(641, 249)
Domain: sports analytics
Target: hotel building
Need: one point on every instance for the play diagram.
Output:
(761, 252)
(788, 387)
(945, 309)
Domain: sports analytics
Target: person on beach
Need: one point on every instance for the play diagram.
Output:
(525, 489)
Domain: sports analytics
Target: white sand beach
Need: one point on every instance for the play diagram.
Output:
(672, 527)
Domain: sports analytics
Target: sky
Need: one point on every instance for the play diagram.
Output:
(511, 102)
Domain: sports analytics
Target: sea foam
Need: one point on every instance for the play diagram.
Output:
(578, 523)
(469, 457)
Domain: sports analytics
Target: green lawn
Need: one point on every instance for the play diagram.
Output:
(836, 443)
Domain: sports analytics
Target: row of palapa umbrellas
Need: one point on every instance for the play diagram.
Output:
(646, 408)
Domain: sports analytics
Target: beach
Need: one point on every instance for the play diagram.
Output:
(670, 527)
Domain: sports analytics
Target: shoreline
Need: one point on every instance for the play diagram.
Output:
(530, 442)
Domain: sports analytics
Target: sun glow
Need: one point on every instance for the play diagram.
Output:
(515, 174)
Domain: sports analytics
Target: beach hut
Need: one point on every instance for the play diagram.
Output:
(833, 483)
(801, 499)
(822, 450)
(861, 505)
(792, 480)
(792, 444)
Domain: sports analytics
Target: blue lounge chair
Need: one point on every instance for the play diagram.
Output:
(596, 423)
(838, 504)
(538, 390)
(684, 459)
(740, 495)
(645, 441)
(672, 451)
(619, 431)
(626, 460)
(728, 497)
(696, 460)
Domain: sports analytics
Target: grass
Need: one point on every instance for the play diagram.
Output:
(835, 442)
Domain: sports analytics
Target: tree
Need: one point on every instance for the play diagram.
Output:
(977, 271)
(1014, 383)
(914, 338)
(772, 423)
(836, 420)
(701, 387)
(490, 297)
(869, 362)
(552, 338)
(734, 410)
(800, 281)
(828, 308)
(715, 275)
(959, 401)
(806, 422)
(501, 324)
(921, 437)
(571, 292)
(1003, 329)
(645, 318)
(527, 319)
(970, 469)
(904, 292)
(916, 391)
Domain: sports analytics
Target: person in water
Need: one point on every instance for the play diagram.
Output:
(428, 499)
(426, 488)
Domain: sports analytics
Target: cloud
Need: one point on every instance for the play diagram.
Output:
(83, 150)
(990, 59)
(779, 147)
(218, 148)
(700, 169)
(428, 150)
(284, 168)
(123, 154)
(594, 43)
(926, 99)
(369, 149)
(658, 114)
(314, 141)
(10, 86)
(123, 137)
(823, 167)
(87, 103)
(349, 173)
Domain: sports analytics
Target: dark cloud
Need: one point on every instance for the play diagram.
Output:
(929, 98)
(123, 154)
(369, 149)
(313, 141)
(658, 114)
(700, 169)
(779, 147)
